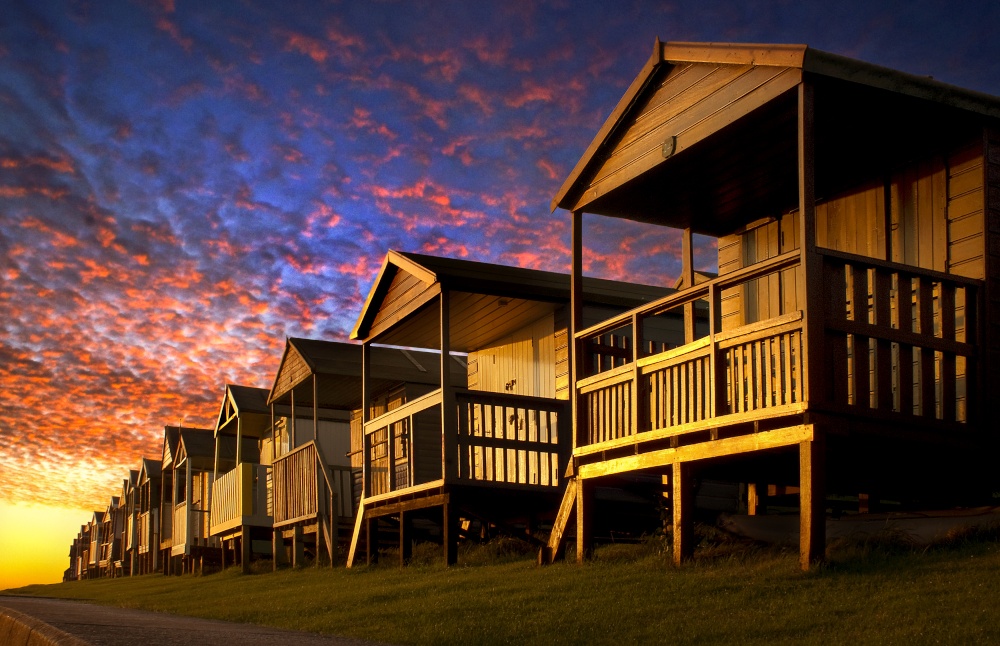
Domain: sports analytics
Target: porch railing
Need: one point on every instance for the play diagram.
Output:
(302, 484)
(509, 440)
(897, 339)
(902, 340)
(239, 497)
(198, 520)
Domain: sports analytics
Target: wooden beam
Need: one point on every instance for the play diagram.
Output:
(812, 506)
(687, 275)
(449, 412)
(682, 506)
(555, 550)
(810, 288)
(575, 325)
(584, 519)
(366, 397)
(405, 538)
(359, 521)
(783, 437)
(449, 532)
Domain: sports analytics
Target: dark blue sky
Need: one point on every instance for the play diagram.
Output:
(183, 184)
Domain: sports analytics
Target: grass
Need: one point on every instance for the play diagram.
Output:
(878, 591)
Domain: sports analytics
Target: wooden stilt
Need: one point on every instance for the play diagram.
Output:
(449, 533)
(405, 540)
(682, 506)
(584, 519)
(371, 535)
(812, 528)
(245, 545)
(298, 547)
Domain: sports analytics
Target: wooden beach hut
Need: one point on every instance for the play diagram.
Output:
(147, 530)
(93, 554)
(171, 441)
(240, 518)
(192, 469)
(110, 541)
(853, 324)
(127, 509)
(491, 451)
(316, 464)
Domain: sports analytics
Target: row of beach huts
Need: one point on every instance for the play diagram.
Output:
(842, 355)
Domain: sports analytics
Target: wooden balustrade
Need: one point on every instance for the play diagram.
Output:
(898, 339)
(301, 486)
(500, 438)
(511, 439)
(901, 339)
(239, 497)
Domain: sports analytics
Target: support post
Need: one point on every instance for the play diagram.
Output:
(245, 545)
(366, 398)
(449, 412)
(298, 547)
(405, 538)
(449, 533)
(371, 535)
(575, 325)
(682, 507)
(584, 519)
(687, 276)
(812, 513)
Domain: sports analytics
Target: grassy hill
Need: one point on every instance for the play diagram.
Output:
(867, 593)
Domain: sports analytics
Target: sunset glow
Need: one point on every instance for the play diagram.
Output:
(184, 185)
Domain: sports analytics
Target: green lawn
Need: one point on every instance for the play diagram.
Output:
(628, 594)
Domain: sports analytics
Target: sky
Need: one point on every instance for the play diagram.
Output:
(185, 184)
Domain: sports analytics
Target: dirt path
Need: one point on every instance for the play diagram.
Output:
(106, 626)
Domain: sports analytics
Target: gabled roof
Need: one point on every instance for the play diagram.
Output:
(243, 401)
(195, 443)
(690, 93)
(171, 436)
(149, 470)
(337, 367)
(408, 282)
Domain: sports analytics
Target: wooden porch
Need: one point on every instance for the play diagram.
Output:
(846, 329)
(310, 496)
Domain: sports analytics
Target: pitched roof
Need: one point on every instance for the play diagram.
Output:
(408, 282)
(337, 366)
(686, 93)
(244, 402)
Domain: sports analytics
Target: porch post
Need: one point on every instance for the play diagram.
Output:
(291, 427)
(584, 519)
(366, 395)
(812, 502)
(687, 275)
(682, 506)
(449, 532)
(812, 542)
(585, 489)
(189, 534)
(315, 412)
(449, 414)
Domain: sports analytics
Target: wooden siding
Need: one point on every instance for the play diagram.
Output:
(292, 371)
(992, 258)
(854, 222)
(763, 298)
(966, 212)
(521, 364)
(406, 294)
(690, 103)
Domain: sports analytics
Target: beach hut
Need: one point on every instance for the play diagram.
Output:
(853, 323)
(240, 517)
(489, 452)
(316, 463)
(147, 532)
(192, 467)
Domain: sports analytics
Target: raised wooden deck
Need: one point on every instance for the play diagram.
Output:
(903, 349)
(506, 441)
(239, 499)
